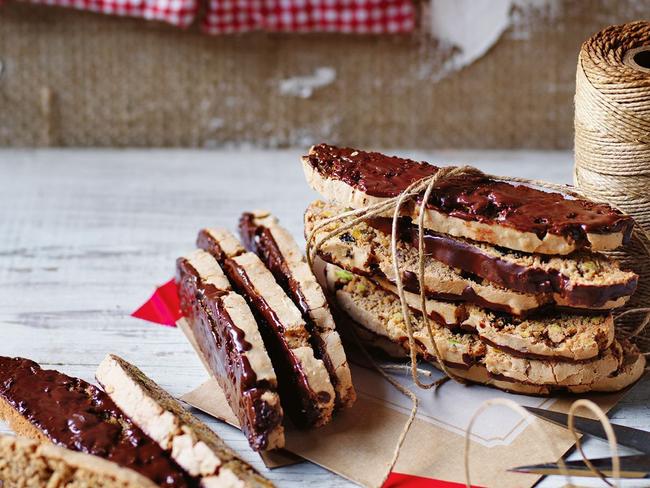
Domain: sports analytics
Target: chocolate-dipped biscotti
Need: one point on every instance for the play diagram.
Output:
(262, 234)
(193, 445)
(504, 214)
(588, 281)
(514, 287)
(227, 334)
(28, 463)
(305, 386)
(376, 313)
(71, 413)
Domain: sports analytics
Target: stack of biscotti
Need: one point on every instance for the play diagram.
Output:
(130, 434)
(517, 288)
(263, 327)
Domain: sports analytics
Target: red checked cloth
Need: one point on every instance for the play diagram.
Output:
(177, 12)
(346, 16)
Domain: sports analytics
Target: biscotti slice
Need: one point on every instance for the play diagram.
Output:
(551, 335)
(474, 373)
(69, 412)
(547, 336)
(304, 382)
(193, 445)
(380, 312)
(510, 215)
(229, 339)
(628, 373)
(583, 279)
(364, 250)
(554, 372)
(32, 464)
(262, 234)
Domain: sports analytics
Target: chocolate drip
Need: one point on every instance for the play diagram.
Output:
(223, 344)
(471, 259)
(259, 239)
(472, 198)
(79, 416)
(298, 399)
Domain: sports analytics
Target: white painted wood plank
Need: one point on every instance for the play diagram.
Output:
(86, 234)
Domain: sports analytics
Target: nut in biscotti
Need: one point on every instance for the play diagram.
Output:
(510, 215)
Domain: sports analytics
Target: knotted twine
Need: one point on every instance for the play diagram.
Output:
(612, 135)
(351, 218)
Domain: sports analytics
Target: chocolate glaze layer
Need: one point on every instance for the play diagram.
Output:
(469, 258)
(472, 198)
(259, 239)
(298, 399)
(223, 344)
(79, 416)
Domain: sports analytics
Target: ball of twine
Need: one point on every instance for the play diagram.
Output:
(612, 133)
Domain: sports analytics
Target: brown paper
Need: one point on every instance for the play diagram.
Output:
(359, 442)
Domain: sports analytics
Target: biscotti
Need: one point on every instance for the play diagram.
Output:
(379, 311)
(229, 339)
(583, 279)
(471, 356)
(32, 464)
(262, 234)
(514, 216)
(193, 445)
(551, 335)
(304, 382)
(363, 249)
(69, 412)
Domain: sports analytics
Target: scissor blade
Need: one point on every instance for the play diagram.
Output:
(631, 467)
(625, 436)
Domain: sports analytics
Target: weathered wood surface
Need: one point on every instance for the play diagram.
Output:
(87, 234)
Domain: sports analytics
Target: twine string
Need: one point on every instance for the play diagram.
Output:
(514, 406)
(611, 439)
(612, 135)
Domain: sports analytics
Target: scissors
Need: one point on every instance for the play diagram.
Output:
(636, 466)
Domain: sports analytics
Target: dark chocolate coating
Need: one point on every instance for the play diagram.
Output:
(473, 198)
(471, 259)
(298, 399)
(222, 343)
(259, 239)
(79, 416)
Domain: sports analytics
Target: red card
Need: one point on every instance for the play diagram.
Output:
(163, 307)
(400, 480)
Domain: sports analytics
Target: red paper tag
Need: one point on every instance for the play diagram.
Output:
(401, 480)
(163, 307)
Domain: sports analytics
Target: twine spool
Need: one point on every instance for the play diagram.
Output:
(612, 133)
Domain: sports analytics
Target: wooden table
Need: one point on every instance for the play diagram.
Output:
(87, 234)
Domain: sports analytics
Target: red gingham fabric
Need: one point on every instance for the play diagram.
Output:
(346, 16)
(177, 12)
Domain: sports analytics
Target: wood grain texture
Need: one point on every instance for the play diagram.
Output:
(86, 234)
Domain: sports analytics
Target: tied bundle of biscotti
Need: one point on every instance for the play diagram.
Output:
(517, 289)
(130, 434)
(263, 328)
